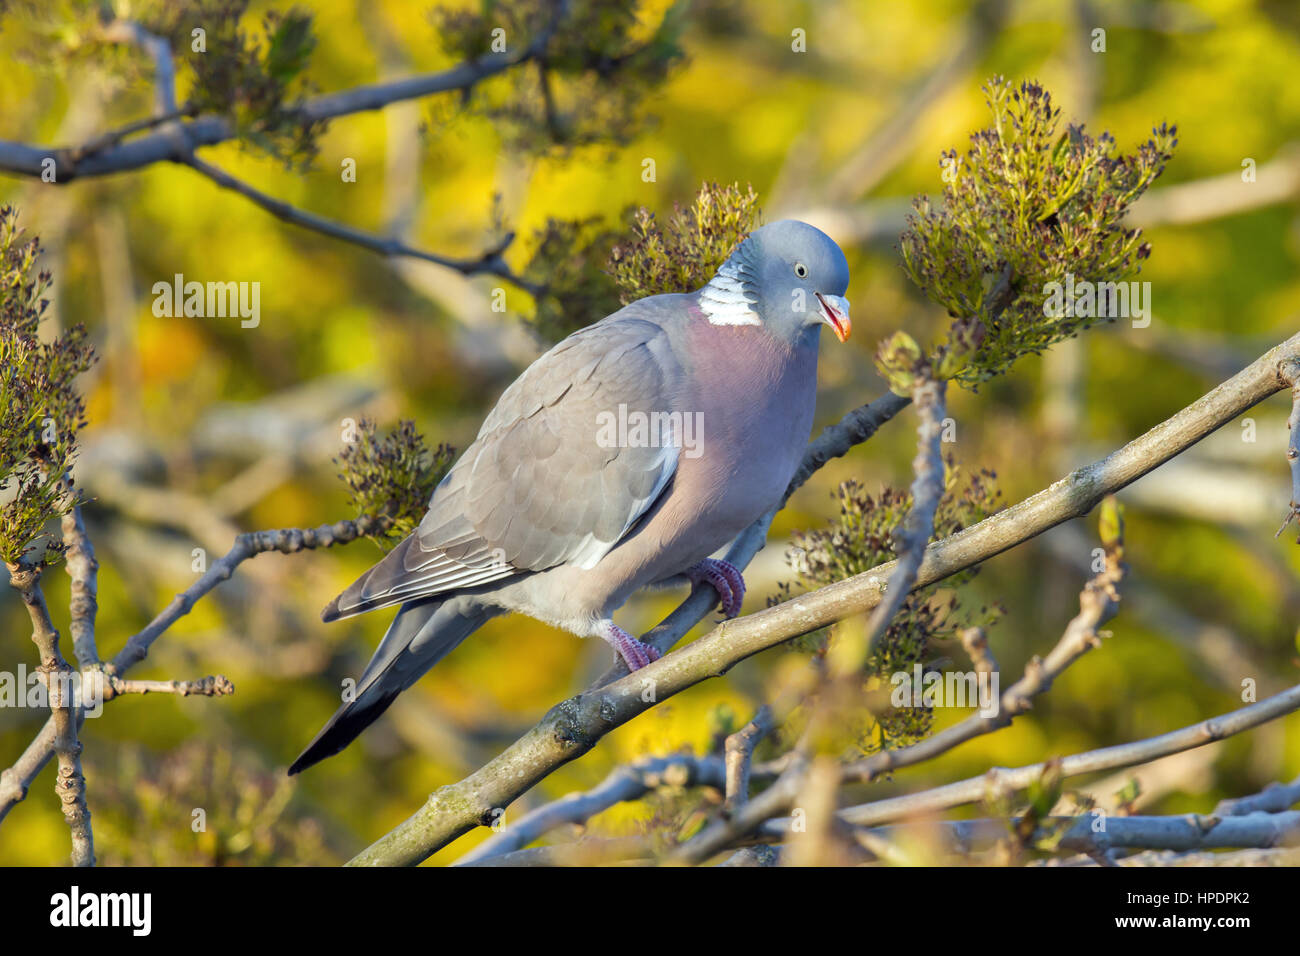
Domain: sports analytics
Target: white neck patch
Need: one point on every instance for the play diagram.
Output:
(728, 299)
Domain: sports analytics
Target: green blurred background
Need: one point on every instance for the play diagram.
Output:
(199, 428)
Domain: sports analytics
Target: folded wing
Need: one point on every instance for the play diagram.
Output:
(546, 482)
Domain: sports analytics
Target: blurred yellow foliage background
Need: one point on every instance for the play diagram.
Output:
(187, 404)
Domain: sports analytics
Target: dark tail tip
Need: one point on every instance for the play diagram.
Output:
(331, 611)
(341, 729)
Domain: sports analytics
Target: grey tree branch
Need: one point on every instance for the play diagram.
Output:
(574, 726)
(83, 572)
(839, 439)
(629, 782)
(490, 262)
(177, 141)
(284, 540)
(115, 136)
(70, 784)
(1291, 373)
(1186, 832)
(739, 757)
(15, 781)
(1183, 833)
(216, 686)
(1274, 798)
(1001, 779)
(1098, 603)
(918, 527)
(976, 643)
(174, 145)
(160, 52)
(964, 838)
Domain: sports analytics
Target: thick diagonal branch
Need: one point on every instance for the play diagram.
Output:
(1097, 603)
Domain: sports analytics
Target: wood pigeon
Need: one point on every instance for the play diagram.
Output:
(620, 459)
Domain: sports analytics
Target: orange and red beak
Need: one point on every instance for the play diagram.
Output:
(835, 313)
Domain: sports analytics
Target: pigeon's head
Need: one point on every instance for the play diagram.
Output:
(788, 276)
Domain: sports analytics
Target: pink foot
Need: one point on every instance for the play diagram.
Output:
(725, 578)
(635, 654)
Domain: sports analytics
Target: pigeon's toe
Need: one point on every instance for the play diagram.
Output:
(725, 578)
(635, 654)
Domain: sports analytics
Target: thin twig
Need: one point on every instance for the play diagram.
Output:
(285, 540)
(918, 527)
(976, 643)
(488, 263)
(1291, 372)
(1274, 798)
(115, 136)
(215, 686)
(739, 751)
(160, 52)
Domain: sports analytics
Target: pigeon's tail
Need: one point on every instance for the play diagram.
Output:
(422, 634)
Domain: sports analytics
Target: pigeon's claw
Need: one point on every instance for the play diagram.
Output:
(725, 578)
(635, 654)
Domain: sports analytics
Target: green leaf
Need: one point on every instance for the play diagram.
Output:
(1111, 523)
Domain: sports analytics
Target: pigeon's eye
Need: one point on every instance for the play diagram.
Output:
(801, 270)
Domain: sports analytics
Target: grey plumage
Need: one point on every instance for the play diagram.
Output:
(545, 515)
